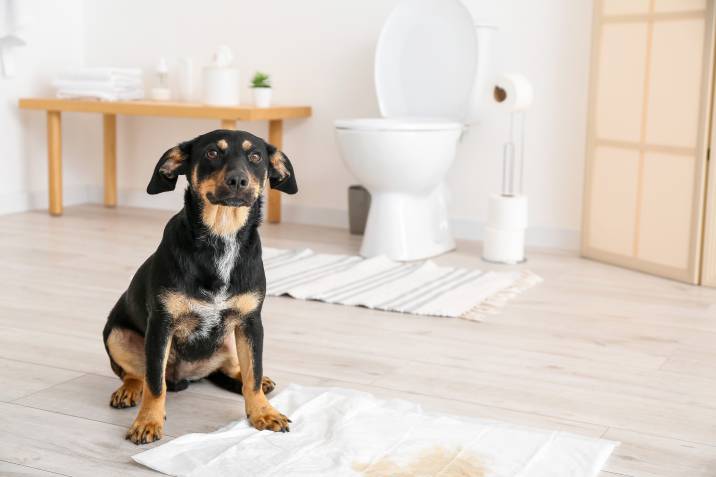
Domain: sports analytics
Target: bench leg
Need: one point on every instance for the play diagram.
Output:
(274, 203)
(54, 161)
(228, 124)
(110, 159)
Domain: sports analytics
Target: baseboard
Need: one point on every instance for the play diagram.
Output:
(463, 228)
(325, 217)
(23, 201)
(139, 198)
(547, 237)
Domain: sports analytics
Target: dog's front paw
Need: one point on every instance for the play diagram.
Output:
(268, 418)
(144, 431)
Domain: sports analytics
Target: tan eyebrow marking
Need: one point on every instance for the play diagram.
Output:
(246, 145)
(223, 145)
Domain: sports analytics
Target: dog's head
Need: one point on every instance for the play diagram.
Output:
(226, 168)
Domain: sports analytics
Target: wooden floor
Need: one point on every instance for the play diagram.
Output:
(594, 350)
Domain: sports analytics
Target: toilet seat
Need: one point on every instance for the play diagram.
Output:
(425, 60)
(397, 124)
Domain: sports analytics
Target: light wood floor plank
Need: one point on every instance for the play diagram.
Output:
(65, 444)
(88, 398)
(8, 469)
(650, 456)
(594, 350)
(18, 379)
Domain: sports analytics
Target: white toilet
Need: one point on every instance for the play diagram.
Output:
(430, 82)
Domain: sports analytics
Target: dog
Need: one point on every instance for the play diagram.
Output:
(193, 308)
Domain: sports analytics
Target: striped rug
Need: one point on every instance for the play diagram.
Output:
(421, 288)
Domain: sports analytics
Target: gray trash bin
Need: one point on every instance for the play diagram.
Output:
(358, 207)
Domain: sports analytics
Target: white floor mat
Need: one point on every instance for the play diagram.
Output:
(338, 432)
(421, 288)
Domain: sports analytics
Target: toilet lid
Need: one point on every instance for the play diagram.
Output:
(425, 60)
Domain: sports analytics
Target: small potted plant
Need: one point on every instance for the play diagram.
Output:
(261, 84)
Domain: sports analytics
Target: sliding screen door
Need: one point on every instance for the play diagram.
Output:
(650, 91)
(708, 261)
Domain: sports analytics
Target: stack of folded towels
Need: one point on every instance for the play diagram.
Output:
(108, 84)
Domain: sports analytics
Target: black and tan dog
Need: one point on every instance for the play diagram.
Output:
(193, 309)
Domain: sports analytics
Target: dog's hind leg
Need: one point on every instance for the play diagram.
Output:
(126, 353)
(234, 384)
(229, 375)
(176, 386)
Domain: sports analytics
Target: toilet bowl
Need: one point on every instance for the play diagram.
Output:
(429, 79)
(403, 164)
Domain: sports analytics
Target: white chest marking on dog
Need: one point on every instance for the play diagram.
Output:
(208, 311)
(225, 262)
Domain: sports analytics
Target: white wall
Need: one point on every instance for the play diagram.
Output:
(55, 41)
(320, 53)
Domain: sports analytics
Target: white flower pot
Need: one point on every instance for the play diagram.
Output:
(262, 97)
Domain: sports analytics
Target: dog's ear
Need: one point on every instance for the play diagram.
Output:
(280, 171)
(173, 163)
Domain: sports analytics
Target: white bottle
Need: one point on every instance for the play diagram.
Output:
(185, 79)
(162, 92)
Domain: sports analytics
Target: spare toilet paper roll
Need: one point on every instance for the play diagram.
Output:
(504, 245)
(507, 212)
(512, 92)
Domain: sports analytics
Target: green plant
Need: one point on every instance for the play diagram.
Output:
(261, 80)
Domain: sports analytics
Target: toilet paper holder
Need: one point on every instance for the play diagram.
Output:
(504, 233)
(513, 165)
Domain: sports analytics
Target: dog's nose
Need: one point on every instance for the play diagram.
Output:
(237, 180)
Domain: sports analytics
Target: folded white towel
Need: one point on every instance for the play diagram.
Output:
(101, 94)
(114, 84)
(108, 84)
(100, 74)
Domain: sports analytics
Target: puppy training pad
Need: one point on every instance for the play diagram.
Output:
(340, 432)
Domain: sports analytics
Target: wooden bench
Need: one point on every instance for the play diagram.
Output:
(227, 115)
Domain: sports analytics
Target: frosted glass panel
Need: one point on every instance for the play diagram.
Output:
(662, 6)
(665, 225)
(613, 200)
(620, 85)
(675, 88)
(624, 7)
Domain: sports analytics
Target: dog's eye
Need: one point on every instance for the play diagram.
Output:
(255, 157)
(212, 154)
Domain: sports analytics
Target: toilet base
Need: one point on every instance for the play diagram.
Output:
(407, 227)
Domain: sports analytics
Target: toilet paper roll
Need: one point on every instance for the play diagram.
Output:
(512, 92)
(504, 245)
(507, 212)
(221, 86)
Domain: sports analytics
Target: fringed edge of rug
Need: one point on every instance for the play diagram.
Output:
(492, 304)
